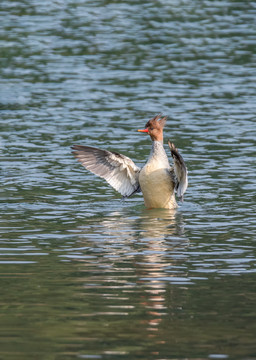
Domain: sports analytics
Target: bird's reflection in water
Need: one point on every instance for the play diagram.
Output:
(155, 223)
(163, 244)
(152, 237)
(149, 248)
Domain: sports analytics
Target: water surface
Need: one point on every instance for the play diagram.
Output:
(85, 275)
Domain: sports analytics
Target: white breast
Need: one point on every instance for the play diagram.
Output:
(156, 181)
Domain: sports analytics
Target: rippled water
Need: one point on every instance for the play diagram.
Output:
(84, 274)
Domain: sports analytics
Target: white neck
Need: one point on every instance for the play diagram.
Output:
(158, 153)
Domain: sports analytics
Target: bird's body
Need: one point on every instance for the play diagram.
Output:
(157, 180)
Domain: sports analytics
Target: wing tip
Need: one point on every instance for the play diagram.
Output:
(75, 150)
(76, 147)
(174, 150)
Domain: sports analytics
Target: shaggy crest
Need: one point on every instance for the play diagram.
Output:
(156, 122)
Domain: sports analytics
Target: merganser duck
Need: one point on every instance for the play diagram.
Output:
(157, 180)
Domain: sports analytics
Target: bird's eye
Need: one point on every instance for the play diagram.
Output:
(151, 128)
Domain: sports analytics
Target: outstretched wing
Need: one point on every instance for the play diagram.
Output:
(180, 171)
(118, 170)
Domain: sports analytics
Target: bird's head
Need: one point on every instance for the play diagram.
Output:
(154, 127)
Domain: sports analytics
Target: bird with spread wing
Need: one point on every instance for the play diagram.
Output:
(157, 180)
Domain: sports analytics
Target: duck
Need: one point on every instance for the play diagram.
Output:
(157, 180)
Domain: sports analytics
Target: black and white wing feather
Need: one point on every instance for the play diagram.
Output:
(180, 171)
(118, 170)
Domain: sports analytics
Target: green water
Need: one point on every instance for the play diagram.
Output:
(83, 274)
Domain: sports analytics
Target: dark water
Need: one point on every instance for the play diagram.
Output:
(84, 275)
